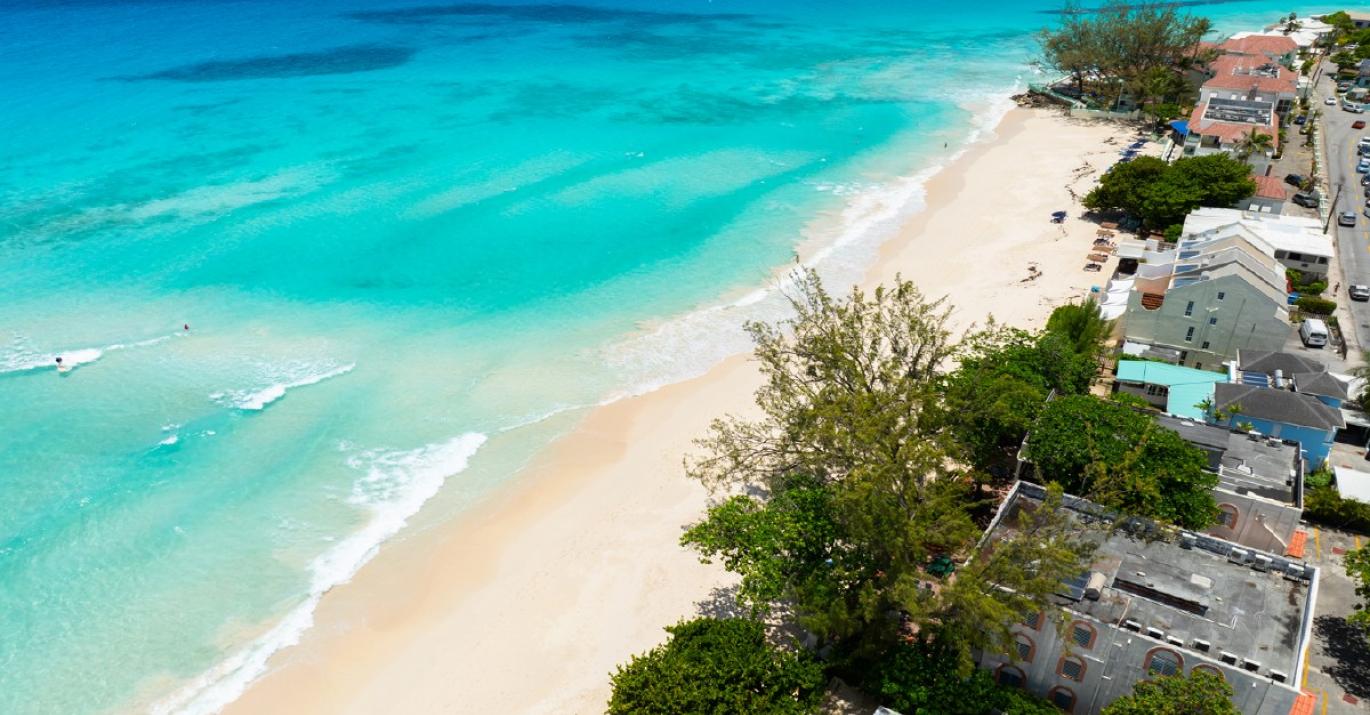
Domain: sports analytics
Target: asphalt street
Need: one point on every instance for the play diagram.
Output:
(1353, 243)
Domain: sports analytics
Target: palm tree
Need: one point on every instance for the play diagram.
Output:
(1255, 143)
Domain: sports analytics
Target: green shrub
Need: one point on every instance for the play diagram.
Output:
(922, 679)
(1318, 478)
(1315, 305)
(1324, 505)
(1173, 231)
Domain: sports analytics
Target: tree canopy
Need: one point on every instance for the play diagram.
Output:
(1358, 568)
(922, 679)
(855, 510)
(719, 667)
(1125, 48)
(1199, 693)
(1119, 457)
(1163, 194)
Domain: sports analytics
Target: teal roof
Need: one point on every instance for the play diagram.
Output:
(1187, 386)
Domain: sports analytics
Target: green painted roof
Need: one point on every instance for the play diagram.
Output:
(1187, 386)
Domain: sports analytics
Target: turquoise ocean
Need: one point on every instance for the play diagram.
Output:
(412, 244)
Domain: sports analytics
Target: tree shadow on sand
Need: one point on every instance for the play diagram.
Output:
(1350, 647)
(722, 603)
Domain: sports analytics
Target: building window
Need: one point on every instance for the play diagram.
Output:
(1221, 295)
(1082, 635)
(1204, 346)
(1322, 260)
(1213, 320)
(1189, 308)
(1033, 620)
(1010, 676)
(1210, 670)
(1227, 515)
(1071, 668)
(1294, 256)
(1026, 648)
(1189, 334)
(1062, 698)
(1161, 661)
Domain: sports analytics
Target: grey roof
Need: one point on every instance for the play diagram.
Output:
(1269, 361)
(1263, 466)
(1245, 464)
(1277, 406)
(1184, 593)
(1320, 383)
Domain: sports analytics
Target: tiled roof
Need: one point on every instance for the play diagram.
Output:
(1227, 132)
(1270, 187)
(1269, 45)
(1320, 383)
(1234, 72)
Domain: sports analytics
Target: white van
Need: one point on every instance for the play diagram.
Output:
(1313, 333)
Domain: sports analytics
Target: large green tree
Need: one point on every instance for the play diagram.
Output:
(1120, 457)
(1358, 568)
(854, 509)
(1163, 194)
(719, 667)
(923, 679)
(1199, 693)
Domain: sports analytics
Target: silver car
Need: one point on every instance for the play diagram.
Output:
(1346, 218)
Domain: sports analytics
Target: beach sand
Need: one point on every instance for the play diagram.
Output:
(526, 604)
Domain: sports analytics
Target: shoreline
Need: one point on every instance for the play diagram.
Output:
(573, 566)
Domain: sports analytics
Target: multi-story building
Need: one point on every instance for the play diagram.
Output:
(1296, 242)
(1207, 299)
(1151, 605)
(1220, 125)
(1260, 483)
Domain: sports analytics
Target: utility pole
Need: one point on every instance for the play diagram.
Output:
(1333, 208)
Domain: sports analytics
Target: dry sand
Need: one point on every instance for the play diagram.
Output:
(526, 604)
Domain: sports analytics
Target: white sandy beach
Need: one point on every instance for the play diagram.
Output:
(527, 604)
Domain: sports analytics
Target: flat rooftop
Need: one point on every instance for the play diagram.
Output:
(1263, 466)
(1177, 594)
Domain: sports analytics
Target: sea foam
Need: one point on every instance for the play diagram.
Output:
(392, 486)
(257, 400)
(24, 360)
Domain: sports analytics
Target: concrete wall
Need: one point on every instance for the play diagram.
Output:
(1246, 319)
(1261, 523)
(1116, 661)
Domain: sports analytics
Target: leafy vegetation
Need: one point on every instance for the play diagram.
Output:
(1358, 568)
(1316, 306)
(853, 505)
(1119, 457)
(1122, 49)
(1199, 693)
(720, 666)
(1325, 505)
(922, 679)
(1162, 194)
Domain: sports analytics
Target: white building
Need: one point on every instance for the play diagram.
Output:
(1294, 241)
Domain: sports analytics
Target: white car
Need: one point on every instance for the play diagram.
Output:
(1330, 101)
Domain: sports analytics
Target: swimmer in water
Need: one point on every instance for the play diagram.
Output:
(187, 327)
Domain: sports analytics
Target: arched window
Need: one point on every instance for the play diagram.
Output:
(1010, 676)
(1071, 668)
(1163, 661)
(1062, 698)
(1026, 648)
(1228, 515)
(1210, 670)
(1033, 620)
(1082, 635)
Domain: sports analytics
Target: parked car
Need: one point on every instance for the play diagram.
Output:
(1359, 292)
(1330, 101)
(1309, 199)
(1346, 218)
(1365, 180)
(1358, 124)
(1363, 166)
(1301, 119)
(1293, 180)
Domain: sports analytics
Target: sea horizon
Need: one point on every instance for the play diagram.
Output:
(316, 267)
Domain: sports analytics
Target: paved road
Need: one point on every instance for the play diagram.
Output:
(1353, 244)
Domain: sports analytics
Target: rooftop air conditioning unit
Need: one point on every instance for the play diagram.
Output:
(1177, 642)
(1237, 556)
(1278, 676)
(1262, 562)
(1229, 658)
(1156, 633)
(1132, 625)
(1094, 587)
(1251, 665)
(1202, 645)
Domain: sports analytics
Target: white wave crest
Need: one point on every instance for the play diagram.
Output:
(393, 486)
(257, 400)
(23, 359)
